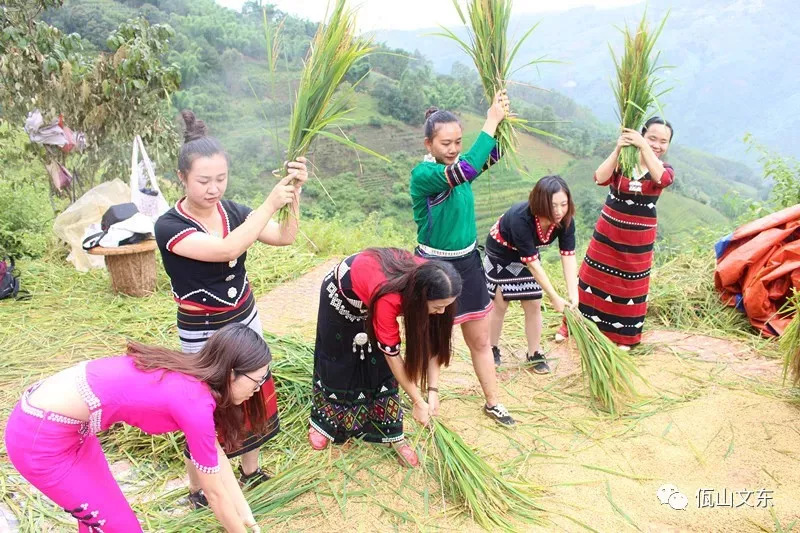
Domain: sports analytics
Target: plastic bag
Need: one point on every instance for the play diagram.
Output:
(144, 185)
(70, 225)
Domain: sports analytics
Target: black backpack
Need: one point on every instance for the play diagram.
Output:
(9, 281)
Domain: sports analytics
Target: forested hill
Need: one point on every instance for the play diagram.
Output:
(226, 81)
(732, 64)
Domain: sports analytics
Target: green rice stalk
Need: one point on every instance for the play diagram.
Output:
(492, 501)
(607, 370)
(636, 88)
(789, 342)
(320, 103)
(493, 55)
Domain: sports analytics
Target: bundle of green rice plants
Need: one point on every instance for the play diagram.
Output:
(493, 54)
(789, 341)
(320, 103)
(608, 370)
(492, 501)
(636, 89)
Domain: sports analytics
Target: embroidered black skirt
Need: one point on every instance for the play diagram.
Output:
(355, 392)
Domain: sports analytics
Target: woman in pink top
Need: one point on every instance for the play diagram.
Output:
(51, 433)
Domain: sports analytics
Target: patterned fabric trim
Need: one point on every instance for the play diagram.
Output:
(605, 215)
(204, 469)
(616, 272)
(496, 235)
(28, 409)
(567, 252)
(92, 401)
(529, 258)
(337, 303)
(546, 237)
(88, 519)
(178, 237)
(447, 253)
(389, 350)
(459, 172)
(650, 205)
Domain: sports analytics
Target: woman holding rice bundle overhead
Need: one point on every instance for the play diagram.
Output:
(203, 242)
(51, 433)
(444, 210)
(614, 279)
(357, 361)
(513, 269)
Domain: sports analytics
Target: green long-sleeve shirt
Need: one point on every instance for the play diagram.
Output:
(442, 199)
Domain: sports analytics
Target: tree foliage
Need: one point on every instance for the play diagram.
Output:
(111, 97)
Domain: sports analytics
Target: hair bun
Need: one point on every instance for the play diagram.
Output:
(194, 128)
(431, 110)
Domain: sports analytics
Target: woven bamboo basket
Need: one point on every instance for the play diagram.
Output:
(132, 267)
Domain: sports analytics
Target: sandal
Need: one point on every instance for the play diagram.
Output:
(254, 478)
(406, 456)
(318, 440)
(198, 500)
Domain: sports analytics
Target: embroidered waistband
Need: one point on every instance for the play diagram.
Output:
(446, 253)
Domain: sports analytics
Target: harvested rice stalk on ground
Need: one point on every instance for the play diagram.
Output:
(608, 370)
(490, 499)
(637, 85)
(789, 341)
(320, 102)
(493, 56)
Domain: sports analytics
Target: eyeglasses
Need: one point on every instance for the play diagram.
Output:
(258, 382)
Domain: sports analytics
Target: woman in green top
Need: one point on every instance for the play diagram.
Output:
(444, 210)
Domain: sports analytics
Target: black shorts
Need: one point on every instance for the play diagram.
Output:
(473, 303)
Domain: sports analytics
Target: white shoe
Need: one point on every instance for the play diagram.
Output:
(560, 338)
(624, 347)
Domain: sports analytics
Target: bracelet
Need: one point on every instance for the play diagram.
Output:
(434, 389)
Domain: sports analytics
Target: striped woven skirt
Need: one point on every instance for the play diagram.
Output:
(614, 278)
(195, 327)
(513, 279)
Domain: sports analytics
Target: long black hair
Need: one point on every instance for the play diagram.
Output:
(418, 283)
(233, 349)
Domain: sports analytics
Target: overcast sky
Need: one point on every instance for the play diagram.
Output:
(410, 14)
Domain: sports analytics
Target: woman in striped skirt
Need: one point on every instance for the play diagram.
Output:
(614, 278)
(203, 242)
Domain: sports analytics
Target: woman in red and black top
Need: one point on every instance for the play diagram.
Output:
(614, 279)
(357, 361)
(203, 242)
(513, 269)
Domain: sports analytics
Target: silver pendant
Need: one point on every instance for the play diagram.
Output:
(359, 341)
(635, 186)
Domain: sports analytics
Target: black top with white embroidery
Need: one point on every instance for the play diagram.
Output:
(213, 286)
(517, 236)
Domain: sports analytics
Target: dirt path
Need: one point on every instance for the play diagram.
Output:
(715, 423)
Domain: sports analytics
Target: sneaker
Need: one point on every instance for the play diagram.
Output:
(496, 353)
(499, 414)
(562, 333)
(254, 478)
(539, 363)
(624, 347)
(198, 500)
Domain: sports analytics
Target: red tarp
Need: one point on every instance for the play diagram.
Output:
(758, 265)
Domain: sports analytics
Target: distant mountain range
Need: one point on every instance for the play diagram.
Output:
(735, 66)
